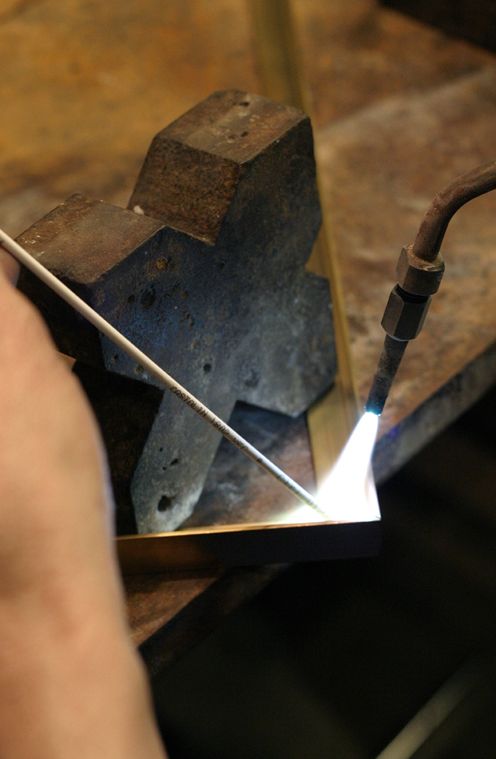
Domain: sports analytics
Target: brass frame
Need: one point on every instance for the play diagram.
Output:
(247, 544)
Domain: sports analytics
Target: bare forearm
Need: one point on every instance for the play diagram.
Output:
(71, 685)
(72, 694)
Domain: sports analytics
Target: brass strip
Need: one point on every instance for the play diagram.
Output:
(274, 45)
(331, 420)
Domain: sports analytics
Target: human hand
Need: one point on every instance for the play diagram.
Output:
(70, 682)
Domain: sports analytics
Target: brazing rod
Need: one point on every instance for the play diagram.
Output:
(101, 324)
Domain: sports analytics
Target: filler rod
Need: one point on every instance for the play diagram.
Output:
(154, 369)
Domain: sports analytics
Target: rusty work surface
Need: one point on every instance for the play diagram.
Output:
(364, 65)
(154, 599)
(406, 152)
(357, 54)
(196, 606)
(85, 85)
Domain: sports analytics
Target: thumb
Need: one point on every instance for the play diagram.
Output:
(8, 266)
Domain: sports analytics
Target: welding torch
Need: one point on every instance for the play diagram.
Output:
(419, 271)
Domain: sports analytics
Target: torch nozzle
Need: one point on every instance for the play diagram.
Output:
(389, 361)
(403, 319)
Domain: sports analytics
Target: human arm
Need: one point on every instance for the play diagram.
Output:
(71, 684)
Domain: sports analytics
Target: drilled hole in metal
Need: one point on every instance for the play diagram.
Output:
(148, 298)
(164, 503)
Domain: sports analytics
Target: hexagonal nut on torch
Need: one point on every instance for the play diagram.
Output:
(405, 314)
(417, 276)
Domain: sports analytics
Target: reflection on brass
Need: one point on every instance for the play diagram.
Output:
(247, 544)
(331, 420)
(275, 52)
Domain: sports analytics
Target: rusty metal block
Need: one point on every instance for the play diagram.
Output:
(205, 273)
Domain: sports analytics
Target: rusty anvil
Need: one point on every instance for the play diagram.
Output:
(205, 273)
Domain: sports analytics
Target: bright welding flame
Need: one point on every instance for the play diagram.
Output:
(348, 493)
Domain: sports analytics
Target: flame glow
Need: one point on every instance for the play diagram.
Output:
(348, 493)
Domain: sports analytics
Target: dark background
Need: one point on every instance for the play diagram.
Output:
(475, 20)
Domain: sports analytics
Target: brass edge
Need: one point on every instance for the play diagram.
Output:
(330, 420)
(245, 546)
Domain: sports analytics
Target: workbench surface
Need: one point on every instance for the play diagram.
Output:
(399, 110)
